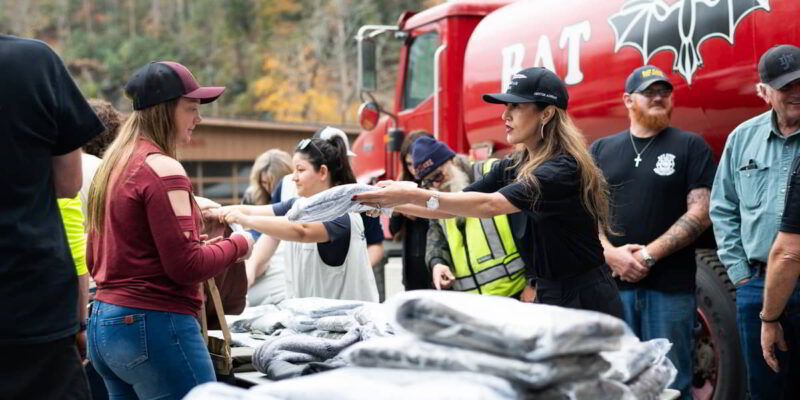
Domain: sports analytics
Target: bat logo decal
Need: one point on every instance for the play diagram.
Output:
(652, 26)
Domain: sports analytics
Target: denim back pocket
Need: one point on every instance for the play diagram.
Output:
(123, 340)
(753, 186)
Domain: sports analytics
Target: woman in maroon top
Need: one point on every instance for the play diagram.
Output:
(145, 252)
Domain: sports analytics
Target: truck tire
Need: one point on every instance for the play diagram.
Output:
(719, 371)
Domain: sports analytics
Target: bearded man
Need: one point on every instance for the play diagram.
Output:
(477, 255)
(660, 179)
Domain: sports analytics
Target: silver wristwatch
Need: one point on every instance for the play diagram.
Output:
(433, 202)
(648, 259)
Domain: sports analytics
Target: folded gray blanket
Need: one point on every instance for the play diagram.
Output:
(596, 389)
(329, 204)
(408, 352)
(317, 307)
(649, 384)
(506, 326)
(634, 357)
(354, 383)
(298, 349)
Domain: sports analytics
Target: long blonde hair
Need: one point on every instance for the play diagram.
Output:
(276, 164)
(156, 123)
(560, 135)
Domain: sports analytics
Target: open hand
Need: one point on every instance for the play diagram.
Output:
(391, 194)
(771, 337)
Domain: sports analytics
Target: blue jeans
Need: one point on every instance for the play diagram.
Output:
(762, 382)
(147, 354)
(652, 314)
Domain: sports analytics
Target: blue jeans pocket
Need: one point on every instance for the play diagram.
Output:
(123, 340)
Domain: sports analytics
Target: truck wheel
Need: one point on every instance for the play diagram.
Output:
(719, 371)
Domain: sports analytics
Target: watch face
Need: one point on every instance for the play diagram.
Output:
(433, 203)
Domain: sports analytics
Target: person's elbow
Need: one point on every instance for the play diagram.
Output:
(307, 233)
(496, 204)
(67, 174)
(68, 187)
(785, 252)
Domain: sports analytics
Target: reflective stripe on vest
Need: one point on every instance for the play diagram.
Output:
(483, 251)
(490, 275)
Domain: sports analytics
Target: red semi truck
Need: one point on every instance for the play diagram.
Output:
(456, 51)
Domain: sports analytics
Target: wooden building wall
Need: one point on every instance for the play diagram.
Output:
(221, 153)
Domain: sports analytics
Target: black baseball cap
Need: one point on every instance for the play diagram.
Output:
(641, 78)
(162, 81)
(533, 85)
(779, 66)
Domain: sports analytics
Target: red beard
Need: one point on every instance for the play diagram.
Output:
(654, 122)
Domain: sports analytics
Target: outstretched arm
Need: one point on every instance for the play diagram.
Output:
(467, 204)
(280, 227)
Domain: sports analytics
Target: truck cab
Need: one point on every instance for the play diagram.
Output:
(430, 78)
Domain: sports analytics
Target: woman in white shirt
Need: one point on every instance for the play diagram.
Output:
(324, 259)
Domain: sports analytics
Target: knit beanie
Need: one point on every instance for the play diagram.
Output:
(427, 154)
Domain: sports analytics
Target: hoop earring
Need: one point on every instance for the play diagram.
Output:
(541, 131)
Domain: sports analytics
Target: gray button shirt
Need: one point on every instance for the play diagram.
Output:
(749, 191)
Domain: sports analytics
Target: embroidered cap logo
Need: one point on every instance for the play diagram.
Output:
(787, 61)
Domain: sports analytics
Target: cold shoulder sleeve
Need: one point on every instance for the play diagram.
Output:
(185, 260)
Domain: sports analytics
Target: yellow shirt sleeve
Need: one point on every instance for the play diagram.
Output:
(72, 215)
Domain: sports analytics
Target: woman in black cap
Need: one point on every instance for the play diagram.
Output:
(552, 179)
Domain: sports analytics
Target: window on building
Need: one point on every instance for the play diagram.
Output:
(222, 181)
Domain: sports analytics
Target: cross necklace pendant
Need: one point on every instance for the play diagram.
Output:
(638, 158)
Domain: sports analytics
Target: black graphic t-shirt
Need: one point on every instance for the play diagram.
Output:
(646, 200)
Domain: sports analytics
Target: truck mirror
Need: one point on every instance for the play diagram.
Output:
(367, 69)
(368, 115)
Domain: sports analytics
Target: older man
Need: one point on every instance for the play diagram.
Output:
(747, 202)
(476, 255)
(660, 177)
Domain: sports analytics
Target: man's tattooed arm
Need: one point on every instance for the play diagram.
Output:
(687, 228)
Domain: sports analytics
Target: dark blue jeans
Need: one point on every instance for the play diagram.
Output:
(761, 380)
(147, 354)
(652, 314)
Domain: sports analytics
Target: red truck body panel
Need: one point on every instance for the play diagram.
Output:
(577, 39)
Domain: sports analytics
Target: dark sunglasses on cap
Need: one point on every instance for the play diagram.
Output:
(436, 178)
(305, 143)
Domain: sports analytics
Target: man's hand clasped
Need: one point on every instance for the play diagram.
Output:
(627, 263)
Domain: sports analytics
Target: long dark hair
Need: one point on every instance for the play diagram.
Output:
(331, 153)
(560, 135)
(405, 149)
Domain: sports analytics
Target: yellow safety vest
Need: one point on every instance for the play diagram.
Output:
(490, 262)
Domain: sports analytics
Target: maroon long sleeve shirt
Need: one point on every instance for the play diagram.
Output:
(142, 258)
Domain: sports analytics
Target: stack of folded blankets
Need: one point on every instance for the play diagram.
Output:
(453, 345)
(547, 352)
(305, 335)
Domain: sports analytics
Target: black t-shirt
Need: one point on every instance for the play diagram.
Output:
(42, 114)
(334, 251)
(647, 200)
(555, 234)
(790, 222)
